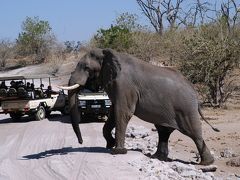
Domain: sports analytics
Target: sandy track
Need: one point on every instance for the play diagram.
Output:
(48, 149)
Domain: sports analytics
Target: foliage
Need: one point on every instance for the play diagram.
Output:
(146, 46)
(72, 46)
(120, 35)
(115, 37)
(35, 39)
(208, 55)
(6, 50)
(128, 21)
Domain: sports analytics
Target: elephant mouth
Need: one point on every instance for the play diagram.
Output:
(75, 86)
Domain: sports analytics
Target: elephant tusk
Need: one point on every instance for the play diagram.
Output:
(75, 86)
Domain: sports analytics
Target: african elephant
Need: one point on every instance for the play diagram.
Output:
(158, 95)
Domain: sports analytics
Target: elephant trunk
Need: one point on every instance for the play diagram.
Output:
(74, 113)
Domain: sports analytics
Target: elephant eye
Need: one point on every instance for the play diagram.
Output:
(87, 69)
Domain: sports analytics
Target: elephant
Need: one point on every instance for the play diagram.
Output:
(159, 95)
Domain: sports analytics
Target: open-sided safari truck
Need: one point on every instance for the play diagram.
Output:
(33, 96)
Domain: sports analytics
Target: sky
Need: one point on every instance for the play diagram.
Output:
(73, 20)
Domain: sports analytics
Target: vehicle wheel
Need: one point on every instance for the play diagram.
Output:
(40, 114)
(65, 110)
(16, 116)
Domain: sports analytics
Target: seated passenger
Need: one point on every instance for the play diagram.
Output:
(28, 87)
(49, 91)
(32, 86)
(13, 84)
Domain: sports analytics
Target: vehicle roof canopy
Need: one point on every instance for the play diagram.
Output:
(7, 78)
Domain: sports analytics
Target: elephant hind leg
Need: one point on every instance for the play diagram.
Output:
(206, 157)
(191, 126)
(163, 136)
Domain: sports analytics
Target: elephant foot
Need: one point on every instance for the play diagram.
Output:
(118, 151)
(160, 157)
(110, 144)
(207, 160)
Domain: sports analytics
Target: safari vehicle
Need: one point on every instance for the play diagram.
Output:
(95, 103)
(19, 95)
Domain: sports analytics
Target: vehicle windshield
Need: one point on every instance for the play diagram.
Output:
(95, 91)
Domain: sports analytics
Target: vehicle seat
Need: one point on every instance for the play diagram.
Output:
(12, 92)
(3, 92)
(22, 92)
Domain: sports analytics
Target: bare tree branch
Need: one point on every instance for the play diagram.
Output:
(159, 11)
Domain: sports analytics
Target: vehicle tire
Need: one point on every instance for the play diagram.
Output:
(40, 114)
(16, 116)
(66, 110)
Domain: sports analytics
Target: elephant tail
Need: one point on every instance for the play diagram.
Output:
(200, 112)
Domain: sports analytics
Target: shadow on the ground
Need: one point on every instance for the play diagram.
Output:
(52, 117)
(66, 119)
(64, 151)
(10, 120)
(176, 160)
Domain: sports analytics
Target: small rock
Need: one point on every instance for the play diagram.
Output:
(137, 132)
(235, 162)
(226, 153)
(211, 168)
(238, 176)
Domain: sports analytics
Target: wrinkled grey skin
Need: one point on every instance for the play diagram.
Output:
(158, 95)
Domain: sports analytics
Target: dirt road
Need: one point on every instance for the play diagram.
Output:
(48, 149)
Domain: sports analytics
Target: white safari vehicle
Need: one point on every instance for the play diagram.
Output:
(94, 103)
(33, 96)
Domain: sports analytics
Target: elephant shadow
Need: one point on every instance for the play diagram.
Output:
(172, 159)
(64, 151)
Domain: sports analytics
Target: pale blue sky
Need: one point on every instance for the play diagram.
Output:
(70, 20)
(73, 20)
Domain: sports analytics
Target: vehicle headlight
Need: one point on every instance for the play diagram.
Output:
(82, 103)
(108, 102)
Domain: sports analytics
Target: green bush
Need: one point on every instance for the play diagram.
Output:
(208, 55)
(35, 39)
(115, 37)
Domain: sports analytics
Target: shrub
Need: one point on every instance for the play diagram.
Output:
(208, 56)
(6, 51)
(115, 37)
(35, 39)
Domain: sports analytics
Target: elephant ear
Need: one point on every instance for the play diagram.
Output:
(110, 67)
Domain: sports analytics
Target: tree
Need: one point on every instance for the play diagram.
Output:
(209, 56)
(157, 11)
(6, 50)
(115, 37)
(35, 39)
(128, 21)
(72, 46)
(119, 35)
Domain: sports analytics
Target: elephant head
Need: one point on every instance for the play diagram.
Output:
(96, 68)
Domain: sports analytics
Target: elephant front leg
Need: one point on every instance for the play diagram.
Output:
(107, 130)
(122, 120)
